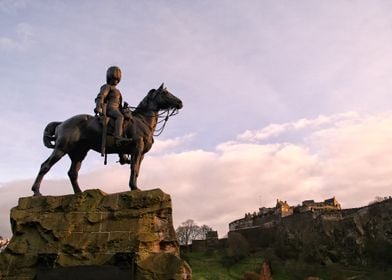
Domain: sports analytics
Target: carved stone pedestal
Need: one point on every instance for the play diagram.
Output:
(93, 235)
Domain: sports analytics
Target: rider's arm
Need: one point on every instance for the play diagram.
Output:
(105, 89)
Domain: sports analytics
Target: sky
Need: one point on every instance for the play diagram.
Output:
(286, 100)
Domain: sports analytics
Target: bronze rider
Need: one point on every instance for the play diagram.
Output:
(112, 96)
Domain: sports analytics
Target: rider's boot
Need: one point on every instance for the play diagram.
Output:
(124, 159)
(120, 140)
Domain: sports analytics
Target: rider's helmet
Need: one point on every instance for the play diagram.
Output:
(113, 75)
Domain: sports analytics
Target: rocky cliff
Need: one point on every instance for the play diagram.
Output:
(93, 230)
(357, 236)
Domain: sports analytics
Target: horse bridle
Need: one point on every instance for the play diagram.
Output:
(164, 120)
(162, 115)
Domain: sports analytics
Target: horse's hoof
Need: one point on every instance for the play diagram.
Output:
(37, 194)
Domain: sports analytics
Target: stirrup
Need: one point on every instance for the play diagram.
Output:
(124, 160)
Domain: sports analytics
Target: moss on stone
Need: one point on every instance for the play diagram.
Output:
(89, 228)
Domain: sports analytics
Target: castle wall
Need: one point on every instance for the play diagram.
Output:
(267, 217)
(345, 236)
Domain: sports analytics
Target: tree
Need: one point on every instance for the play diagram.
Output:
(189, 231)
(204, 229)
(378, 199)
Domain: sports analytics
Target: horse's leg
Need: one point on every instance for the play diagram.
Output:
(45, 167)
(136, 160)
(135, 167)
(73, 172)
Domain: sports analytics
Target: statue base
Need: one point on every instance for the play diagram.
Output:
(127, 235)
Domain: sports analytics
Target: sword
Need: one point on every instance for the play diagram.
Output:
(104, 132)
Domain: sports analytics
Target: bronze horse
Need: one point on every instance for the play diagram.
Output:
(81, 133)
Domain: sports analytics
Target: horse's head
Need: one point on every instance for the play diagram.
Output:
(160, 99)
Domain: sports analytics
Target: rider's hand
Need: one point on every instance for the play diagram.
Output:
(98, 110)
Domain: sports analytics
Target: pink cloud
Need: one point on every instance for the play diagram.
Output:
(350, 159)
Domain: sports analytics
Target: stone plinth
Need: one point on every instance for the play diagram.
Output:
(131, 231)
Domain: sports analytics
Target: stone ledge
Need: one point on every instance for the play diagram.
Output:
(89, 229)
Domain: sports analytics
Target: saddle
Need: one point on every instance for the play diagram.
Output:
(108, 129)
(110, 122)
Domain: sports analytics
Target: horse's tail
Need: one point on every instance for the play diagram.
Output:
(50, 134)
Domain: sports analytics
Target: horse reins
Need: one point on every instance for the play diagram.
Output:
(161, 115)
(164, 120)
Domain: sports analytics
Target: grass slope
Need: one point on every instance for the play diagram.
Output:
(212, 266)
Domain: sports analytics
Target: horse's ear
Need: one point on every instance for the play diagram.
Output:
(161, 87)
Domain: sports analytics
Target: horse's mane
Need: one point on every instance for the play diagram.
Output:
(143, 104)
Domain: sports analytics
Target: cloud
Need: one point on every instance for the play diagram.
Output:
(21, 40)
(345, 155)
(170, 144)
(274, 129)
(10, 6)
(7, 43)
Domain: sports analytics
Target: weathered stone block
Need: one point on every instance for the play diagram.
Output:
(163, 266)
(115, 224)
(110, 203)
(25, 271)
(92, 229)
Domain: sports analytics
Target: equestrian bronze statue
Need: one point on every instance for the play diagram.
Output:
(81, 133)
